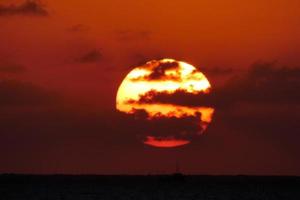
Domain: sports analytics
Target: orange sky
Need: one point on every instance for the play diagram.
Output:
(82, 50)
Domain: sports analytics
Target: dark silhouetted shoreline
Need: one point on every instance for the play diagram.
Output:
(176, 186)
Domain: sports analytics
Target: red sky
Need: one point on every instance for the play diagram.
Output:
(61, 63)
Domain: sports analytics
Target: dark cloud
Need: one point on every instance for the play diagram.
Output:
(129, 35)
(11, 68)
(161, 126)
(158, 72)
(18, 93)
(78, 28)
(90, 57)
(29, 7)
(262, 83)
(179, 97)
(140, 59)
(265, 83)
(70, 141)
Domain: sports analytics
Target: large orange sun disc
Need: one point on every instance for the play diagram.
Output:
(149, 87)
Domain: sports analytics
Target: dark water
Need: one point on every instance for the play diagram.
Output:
(60, 187)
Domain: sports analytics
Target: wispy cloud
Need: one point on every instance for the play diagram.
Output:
(91, 56)
(28, 8)
(78, 28)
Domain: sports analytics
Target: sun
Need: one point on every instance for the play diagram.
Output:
(158, 89)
